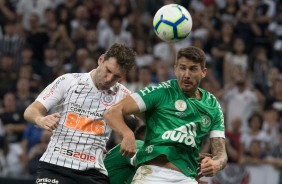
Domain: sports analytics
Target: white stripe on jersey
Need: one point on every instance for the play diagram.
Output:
(80, 139)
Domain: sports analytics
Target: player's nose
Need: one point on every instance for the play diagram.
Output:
(187, 74)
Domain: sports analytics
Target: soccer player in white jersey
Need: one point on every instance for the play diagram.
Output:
(72, 108)
(178, 115)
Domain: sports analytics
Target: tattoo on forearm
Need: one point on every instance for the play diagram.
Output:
(219, 151)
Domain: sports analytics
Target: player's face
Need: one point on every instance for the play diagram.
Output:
(188, 74)
(108, 73)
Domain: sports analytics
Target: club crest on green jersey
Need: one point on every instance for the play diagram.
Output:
(180, 105)
(206, 121)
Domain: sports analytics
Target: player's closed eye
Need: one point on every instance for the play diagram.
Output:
(194, 69)
(114, 75)
(182, 68)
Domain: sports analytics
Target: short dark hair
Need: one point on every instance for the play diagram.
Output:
(124, 55)
(195, 54)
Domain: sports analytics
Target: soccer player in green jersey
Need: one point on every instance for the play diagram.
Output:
(121, 169)
(178, 115)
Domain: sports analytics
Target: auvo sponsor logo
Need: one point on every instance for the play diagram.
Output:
(185, 134)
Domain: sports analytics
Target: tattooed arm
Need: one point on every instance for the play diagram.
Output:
(210, 166)
(219, 151)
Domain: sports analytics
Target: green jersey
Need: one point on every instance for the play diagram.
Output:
(176, 124)
(120, 169)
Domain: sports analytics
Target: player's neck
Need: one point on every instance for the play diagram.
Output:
(92, 75)
(193, 94)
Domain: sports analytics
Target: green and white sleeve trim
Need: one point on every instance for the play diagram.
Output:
(139, 101)
(217, 133)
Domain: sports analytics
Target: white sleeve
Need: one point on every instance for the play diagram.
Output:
(123, 92)
(55, 91)
(217, 133)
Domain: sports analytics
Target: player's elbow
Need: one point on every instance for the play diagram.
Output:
(26, 113)
(111, 114)
(33, 110)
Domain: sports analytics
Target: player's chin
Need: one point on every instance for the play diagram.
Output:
(187, 86)
(106, 86)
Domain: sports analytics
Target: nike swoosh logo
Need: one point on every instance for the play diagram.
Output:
(77, 92)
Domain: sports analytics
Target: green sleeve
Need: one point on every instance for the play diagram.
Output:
(152, 96)
(217, 129)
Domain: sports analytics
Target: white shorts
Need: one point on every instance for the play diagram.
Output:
(151, 174)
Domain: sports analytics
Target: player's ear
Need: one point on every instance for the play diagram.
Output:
(101, 59)
(175, 66)
(204, 72)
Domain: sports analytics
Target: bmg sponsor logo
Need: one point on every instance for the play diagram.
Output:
(75, 154)
(46, 181)
(84, 124)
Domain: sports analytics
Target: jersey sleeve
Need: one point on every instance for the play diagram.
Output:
(149, 97)
(123, 92)
(55, 91)
(218, 128)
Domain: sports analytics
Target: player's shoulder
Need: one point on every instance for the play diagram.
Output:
(209, 98)
(161, 88)
(121, 88)
(76, 77)
(69, 76)
(167, 85)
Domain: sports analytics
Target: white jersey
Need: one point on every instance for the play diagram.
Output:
(80, 139)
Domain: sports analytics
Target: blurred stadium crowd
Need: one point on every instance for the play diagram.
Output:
(43, 39)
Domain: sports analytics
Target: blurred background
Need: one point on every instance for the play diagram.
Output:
(43, 39)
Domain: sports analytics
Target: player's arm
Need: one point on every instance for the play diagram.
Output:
(210, 166)
(114, 118)
(48, 98)
(219, 152)
(37, 114)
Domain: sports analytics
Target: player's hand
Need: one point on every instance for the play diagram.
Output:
(128, 145)
(49, 122)
(199, 173)
(209, 167)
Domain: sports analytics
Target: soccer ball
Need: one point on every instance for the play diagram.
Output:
(172, 23)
